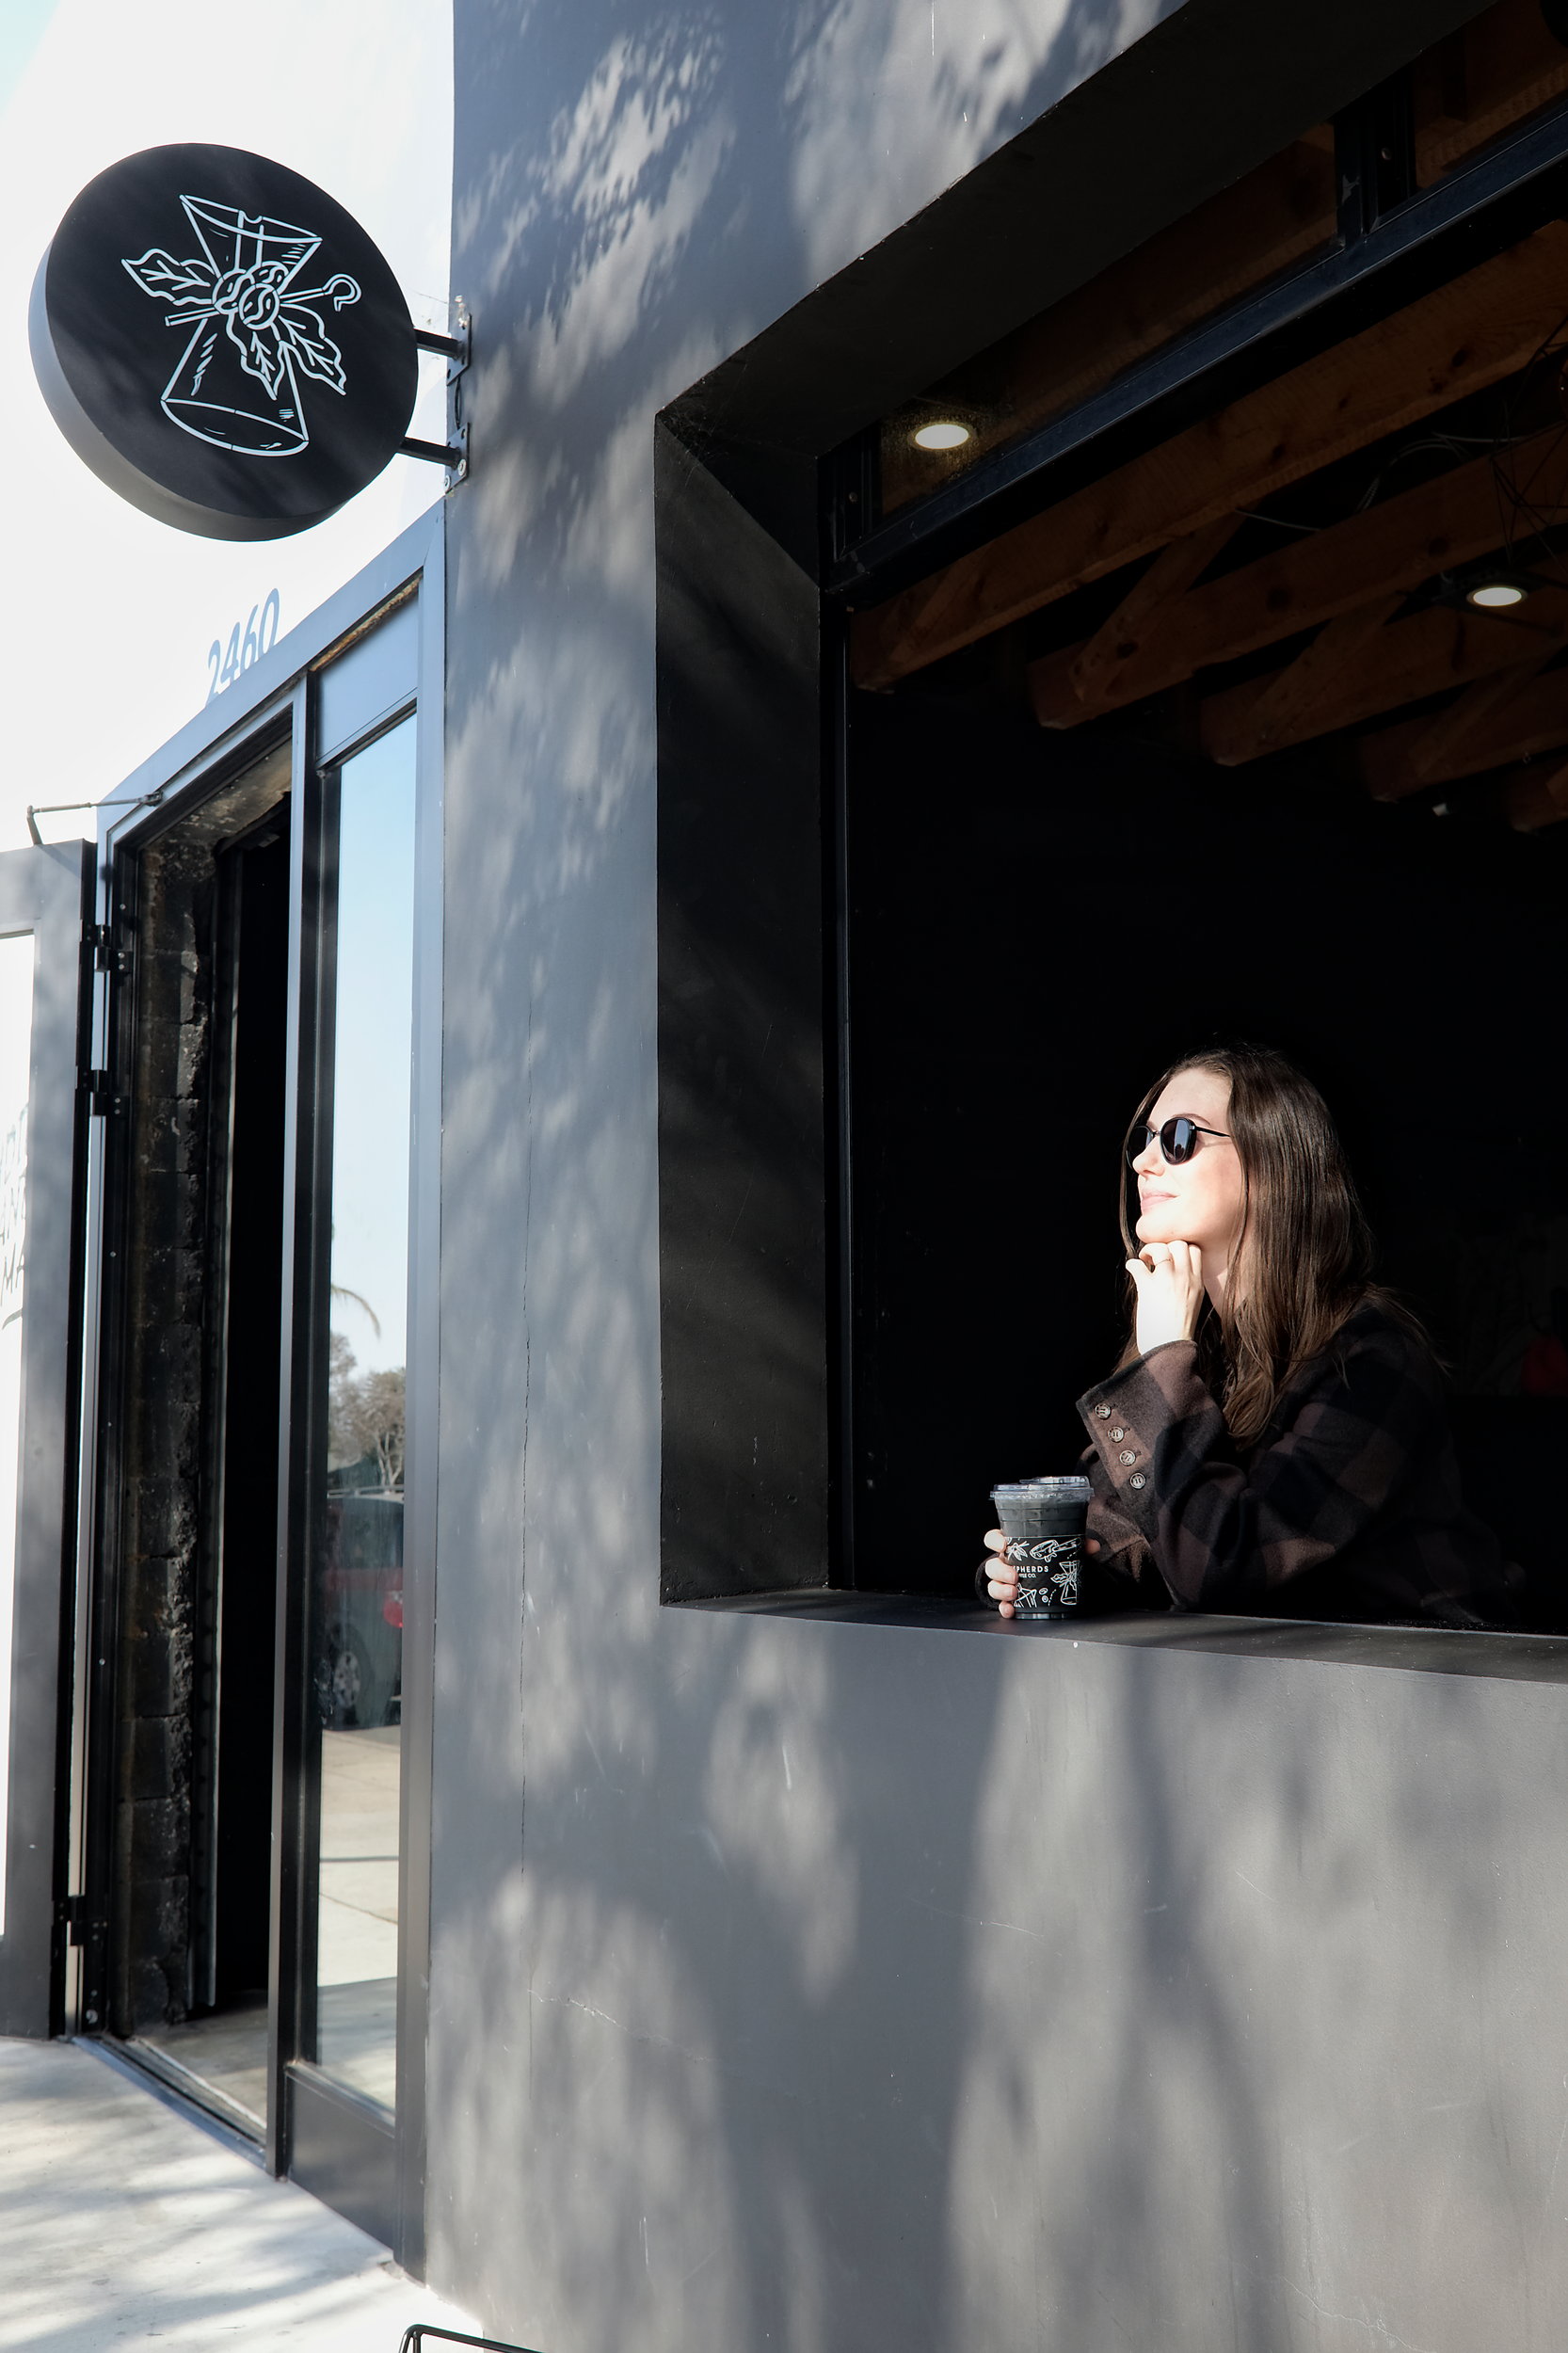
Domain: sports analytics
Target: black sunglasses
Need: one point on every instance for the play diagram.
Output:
(1178, 1140)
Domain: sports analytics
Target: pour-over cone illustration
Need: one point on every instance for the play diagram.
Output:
(255, 333)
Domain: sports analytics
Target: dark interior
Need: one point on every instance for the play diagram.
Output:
(202, 1176)
(257, 956)
(1039, 923)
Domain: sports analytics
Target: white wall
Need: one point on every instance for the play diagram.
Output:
(105, 616)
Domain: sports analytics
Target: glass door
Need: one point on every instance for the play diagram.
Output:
(178, 1743)
(342, 1804)
(240, 1738)
(349, 2018)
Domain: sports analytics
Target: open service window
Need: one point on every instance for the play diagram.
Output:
(1196, 669)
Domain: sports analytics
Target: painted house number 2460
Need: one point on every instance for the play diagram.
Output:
(259, 635)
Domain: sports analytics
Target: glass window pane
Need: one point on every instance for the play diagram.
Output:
(358, 1601)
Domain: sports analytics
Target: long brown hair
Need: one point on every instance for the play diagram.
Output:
(1303, 1262)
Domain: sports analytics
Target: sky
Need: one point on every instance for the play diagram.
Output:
(373, 1040)
(21, 24)
(106, 617)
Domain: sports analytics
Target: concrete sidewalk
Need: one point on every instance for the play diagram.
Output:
(122, 2223)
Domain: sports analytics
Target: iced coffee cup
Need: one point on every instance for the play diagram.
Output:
(1043, 1520)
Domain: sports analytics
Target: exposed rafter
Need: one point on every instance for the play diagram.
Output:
(1350, 674)
(1536, 796)
(1146, 648)
(1515, 716)
(1465, 335)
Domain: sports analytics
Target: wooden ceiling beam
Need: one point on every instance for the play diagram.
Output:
(1284, 707)
(1461, 725)
(1465, 335)
(1500, 67)
(1366, 673)
(1395, 545)
(1278, 215)
(1283, 210)
(1513, 716)
(1159, 596)
(1533, 797)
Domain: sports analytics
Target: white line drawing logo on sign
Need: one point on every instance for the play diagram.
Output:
(255, 333)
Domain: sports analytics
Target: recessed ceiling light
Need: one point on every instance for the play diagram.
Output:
(945, 434)
(1494, 594)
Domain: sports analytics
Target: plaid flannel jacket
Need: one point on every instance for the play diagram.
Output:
(1349, 1507)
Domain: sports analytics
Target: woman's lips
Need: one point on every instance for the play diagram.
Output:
(1148, 1200)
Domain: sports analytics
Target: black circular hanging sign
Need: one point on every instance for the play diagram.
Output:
(221, 343)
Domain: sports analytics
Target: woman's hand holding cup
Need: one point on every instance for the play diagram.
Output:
(1002, 1578)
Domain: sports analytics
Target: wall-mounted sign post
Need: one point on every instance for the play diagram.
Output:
(224, 345)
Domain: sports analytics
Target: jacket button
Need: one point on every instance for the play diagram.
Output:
(1102, 1413)
(1127, 1455)
(1137, 1479)
(1116, 1436)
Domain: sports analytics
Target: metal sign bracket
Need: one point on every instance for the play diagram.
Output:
(458, 350)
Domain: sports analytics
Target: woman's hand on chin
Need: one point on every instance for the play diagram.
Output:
(1003, 1579)
(1169, 1278)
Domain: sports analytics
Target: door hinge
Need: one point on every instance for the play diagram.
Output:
(102, 1102)
(107, 956)
(74, 1913)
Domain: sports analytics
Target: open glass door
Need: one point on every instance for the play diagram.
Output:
(351, 1354)
(44, 905)
(187, 1201)
(245, 1914)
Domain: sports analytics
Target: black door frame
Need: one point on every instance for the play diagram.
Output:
(285, 694)
(45, 894)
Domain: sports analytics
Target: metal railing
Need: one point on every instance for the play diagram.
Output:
(414, 2336)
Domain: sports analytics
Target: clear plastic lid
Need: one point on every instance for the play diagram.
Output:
(1069, 1489)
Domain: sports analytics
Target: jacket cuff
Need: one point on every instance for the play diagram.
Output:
(1127, 1415)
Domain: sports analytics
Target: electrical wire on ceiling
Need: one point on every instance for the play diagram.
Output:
(1455, 446)
(1523, 515)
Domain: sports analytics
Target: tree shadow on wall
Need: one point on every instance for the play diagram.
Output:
(800, 1984)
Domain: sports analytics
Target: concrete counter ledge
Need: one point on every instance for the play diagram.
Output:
(1429, 1650)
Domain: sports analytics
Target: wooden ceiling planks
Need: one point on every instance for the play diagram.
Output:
(1467, 335)
(1395, 545)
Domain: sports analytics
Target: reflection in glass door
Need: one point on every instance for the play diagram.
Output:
(349, 2021)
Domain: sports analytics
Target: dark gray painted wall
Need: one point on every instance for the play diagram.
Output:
(743, 995)
(804, 1982)
(892, 1987)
